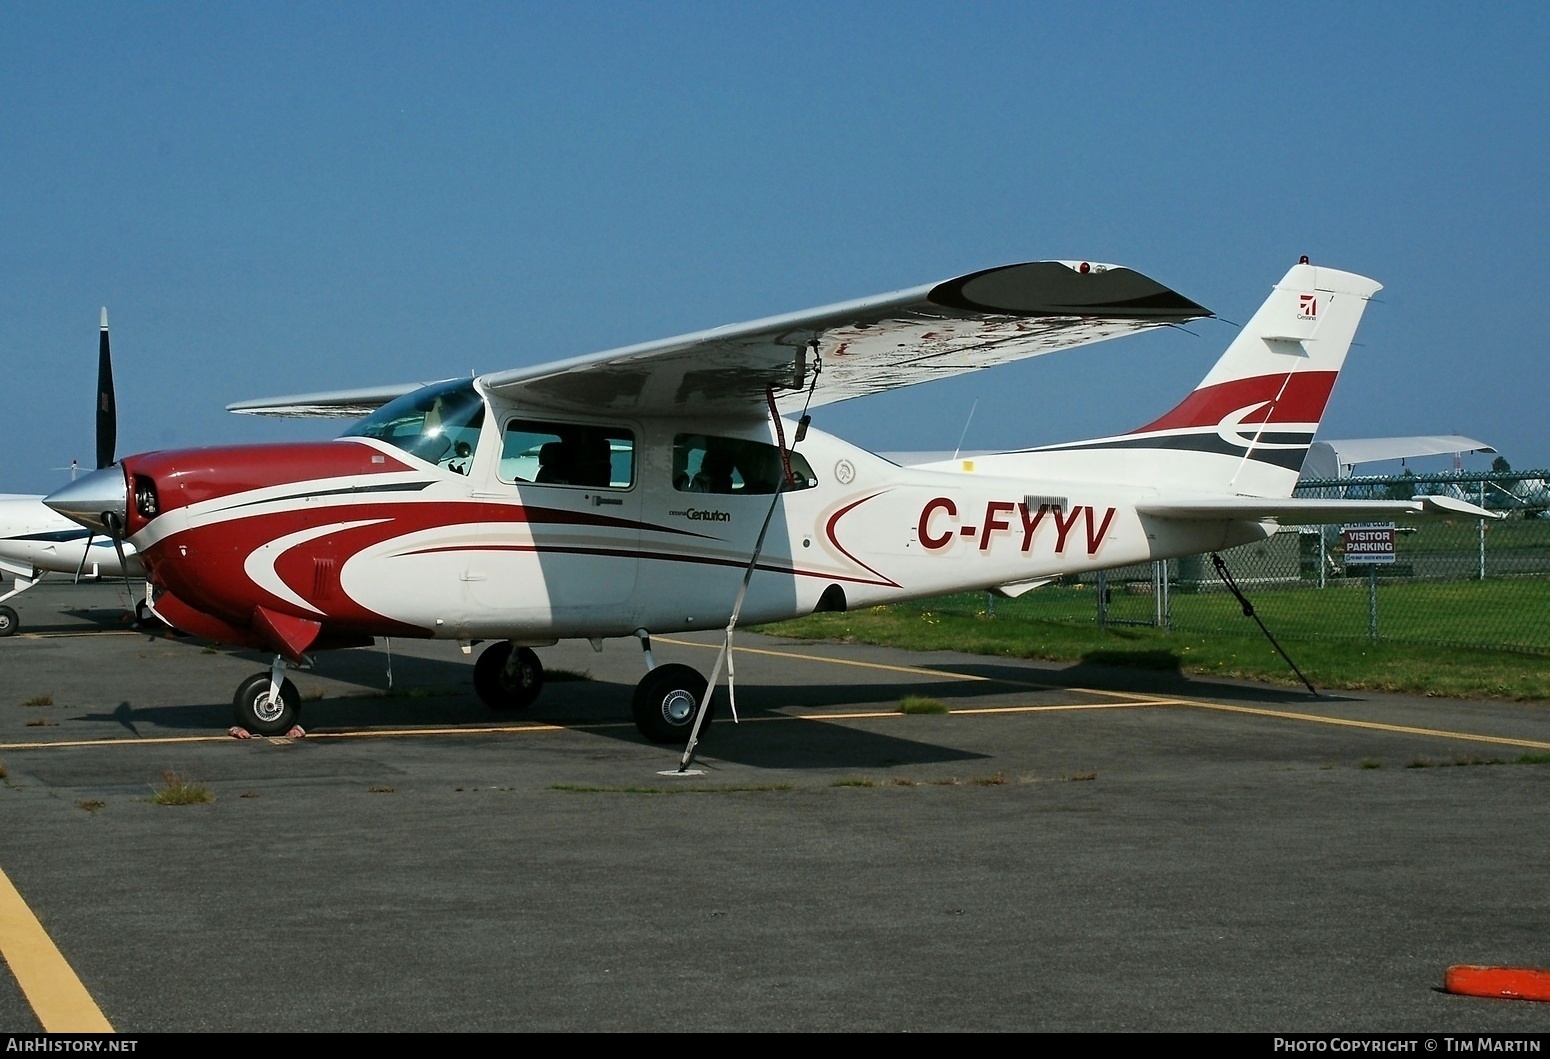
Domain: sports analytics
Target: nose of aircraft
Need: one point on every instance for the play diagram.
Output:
(99, 501)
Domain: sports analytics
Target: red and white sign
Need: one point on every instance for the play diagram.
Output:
(1371, 542)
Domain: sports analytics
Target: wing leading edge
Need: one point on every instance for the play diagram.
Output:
(864, 346)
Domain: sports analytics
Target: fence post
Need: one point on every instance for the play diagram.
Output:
(1159, 580)
(1103, 600)
(1482, 532)
(1372, 601)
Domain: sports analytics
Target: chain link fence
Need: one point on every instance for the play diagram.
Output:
(1455, 582)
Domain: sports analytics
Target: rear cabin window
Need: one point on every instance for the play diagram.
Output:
(568, 454)
(704, 463)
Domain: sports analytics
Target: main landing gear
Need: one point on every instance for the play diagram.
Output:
(508, 677)
(666, 701)
(667, 698)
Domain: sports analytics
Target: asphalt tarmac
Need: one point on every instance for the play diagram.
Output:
(1073, 848)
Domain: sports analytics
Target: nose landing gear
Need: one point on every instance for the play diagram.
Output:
(267, 703)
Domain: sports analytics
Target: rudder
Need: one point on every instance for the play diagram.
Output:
(1263, 399)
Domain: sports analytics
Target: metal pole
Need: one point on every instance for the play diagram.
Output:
(1159, 579)
(1323, 554)
(1372, 601)
(1103, 600)
(1482, 531)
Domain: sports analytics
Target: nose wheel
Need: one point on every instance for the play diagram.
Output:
(508, 677)
(666, 701)
(261, 711)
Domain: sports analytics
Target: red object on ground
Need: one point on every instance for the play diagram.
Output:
(1513, 983)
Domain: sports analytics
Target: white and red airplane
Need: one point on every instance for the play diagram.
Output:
(659, 488)
(36, 540)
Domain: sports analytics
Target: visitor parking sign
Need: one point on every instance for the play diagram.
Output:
(1369, 542)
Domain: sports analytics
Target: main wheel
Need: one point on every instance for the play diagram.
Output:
(666, 700)
(9, 622)
(507, 677)
(263, 714)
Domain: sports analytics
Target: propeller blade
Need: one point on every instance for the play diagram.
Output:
(85, 554)
(115, 526)
(107, 408)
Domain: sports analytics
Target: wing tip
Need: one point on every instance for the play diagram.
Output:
(1065, 288)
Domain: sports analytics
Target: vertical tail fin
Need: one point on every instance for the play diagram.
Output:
(1247, 427)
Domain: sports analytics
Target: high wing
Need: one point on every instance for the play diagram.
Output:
(1304, 510)
(332, 404)
(854, 348)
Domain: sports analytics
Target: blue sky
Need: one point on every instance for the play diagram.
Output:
(275, 198)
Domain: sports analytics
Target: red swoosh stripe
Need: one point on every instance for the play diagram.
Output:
(1303, 400)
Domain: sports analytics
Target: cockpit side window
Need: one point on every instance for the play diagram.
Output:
(439, 424)
(704, 463)
(567, 454)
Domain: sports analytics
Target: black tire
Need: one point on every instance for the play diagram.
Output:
(9, 622)
(146, 618)
(666, 701)
(256, 712)
(508, 678)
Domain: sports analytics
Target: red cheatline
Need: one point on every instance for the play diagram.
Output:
(1514, 983)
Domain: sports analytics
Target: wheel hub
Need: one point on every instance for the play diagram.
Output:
(678, 707)
(268, 707)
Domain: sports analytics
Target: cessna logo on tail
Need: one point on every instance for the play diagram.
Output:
(1307, 307)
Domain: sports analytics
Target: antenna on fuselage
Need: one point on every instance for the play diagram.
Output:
(966, 423)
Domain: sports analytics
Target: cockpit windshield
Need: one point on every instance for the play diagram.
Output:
(438, 423)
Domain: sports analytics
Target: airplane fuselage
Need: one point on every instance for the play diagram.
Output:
(333, 541)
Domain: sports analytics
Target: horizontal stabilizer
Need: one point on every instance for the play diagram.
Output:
(1304, 511)
(1018, 588)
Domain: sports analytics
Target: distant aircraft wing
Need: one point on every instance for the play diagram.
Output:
(858, 347)
(1301, 511)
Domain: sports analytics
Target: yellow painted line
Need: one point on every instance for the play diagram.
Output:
(874, 714)
(369, 733)
(916, 670)
(57, 996)
(912, 670)
(1075, 706)
(511, 729)
(88, 632)
(137, 741)
(1142, 699)
(1346, 722)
